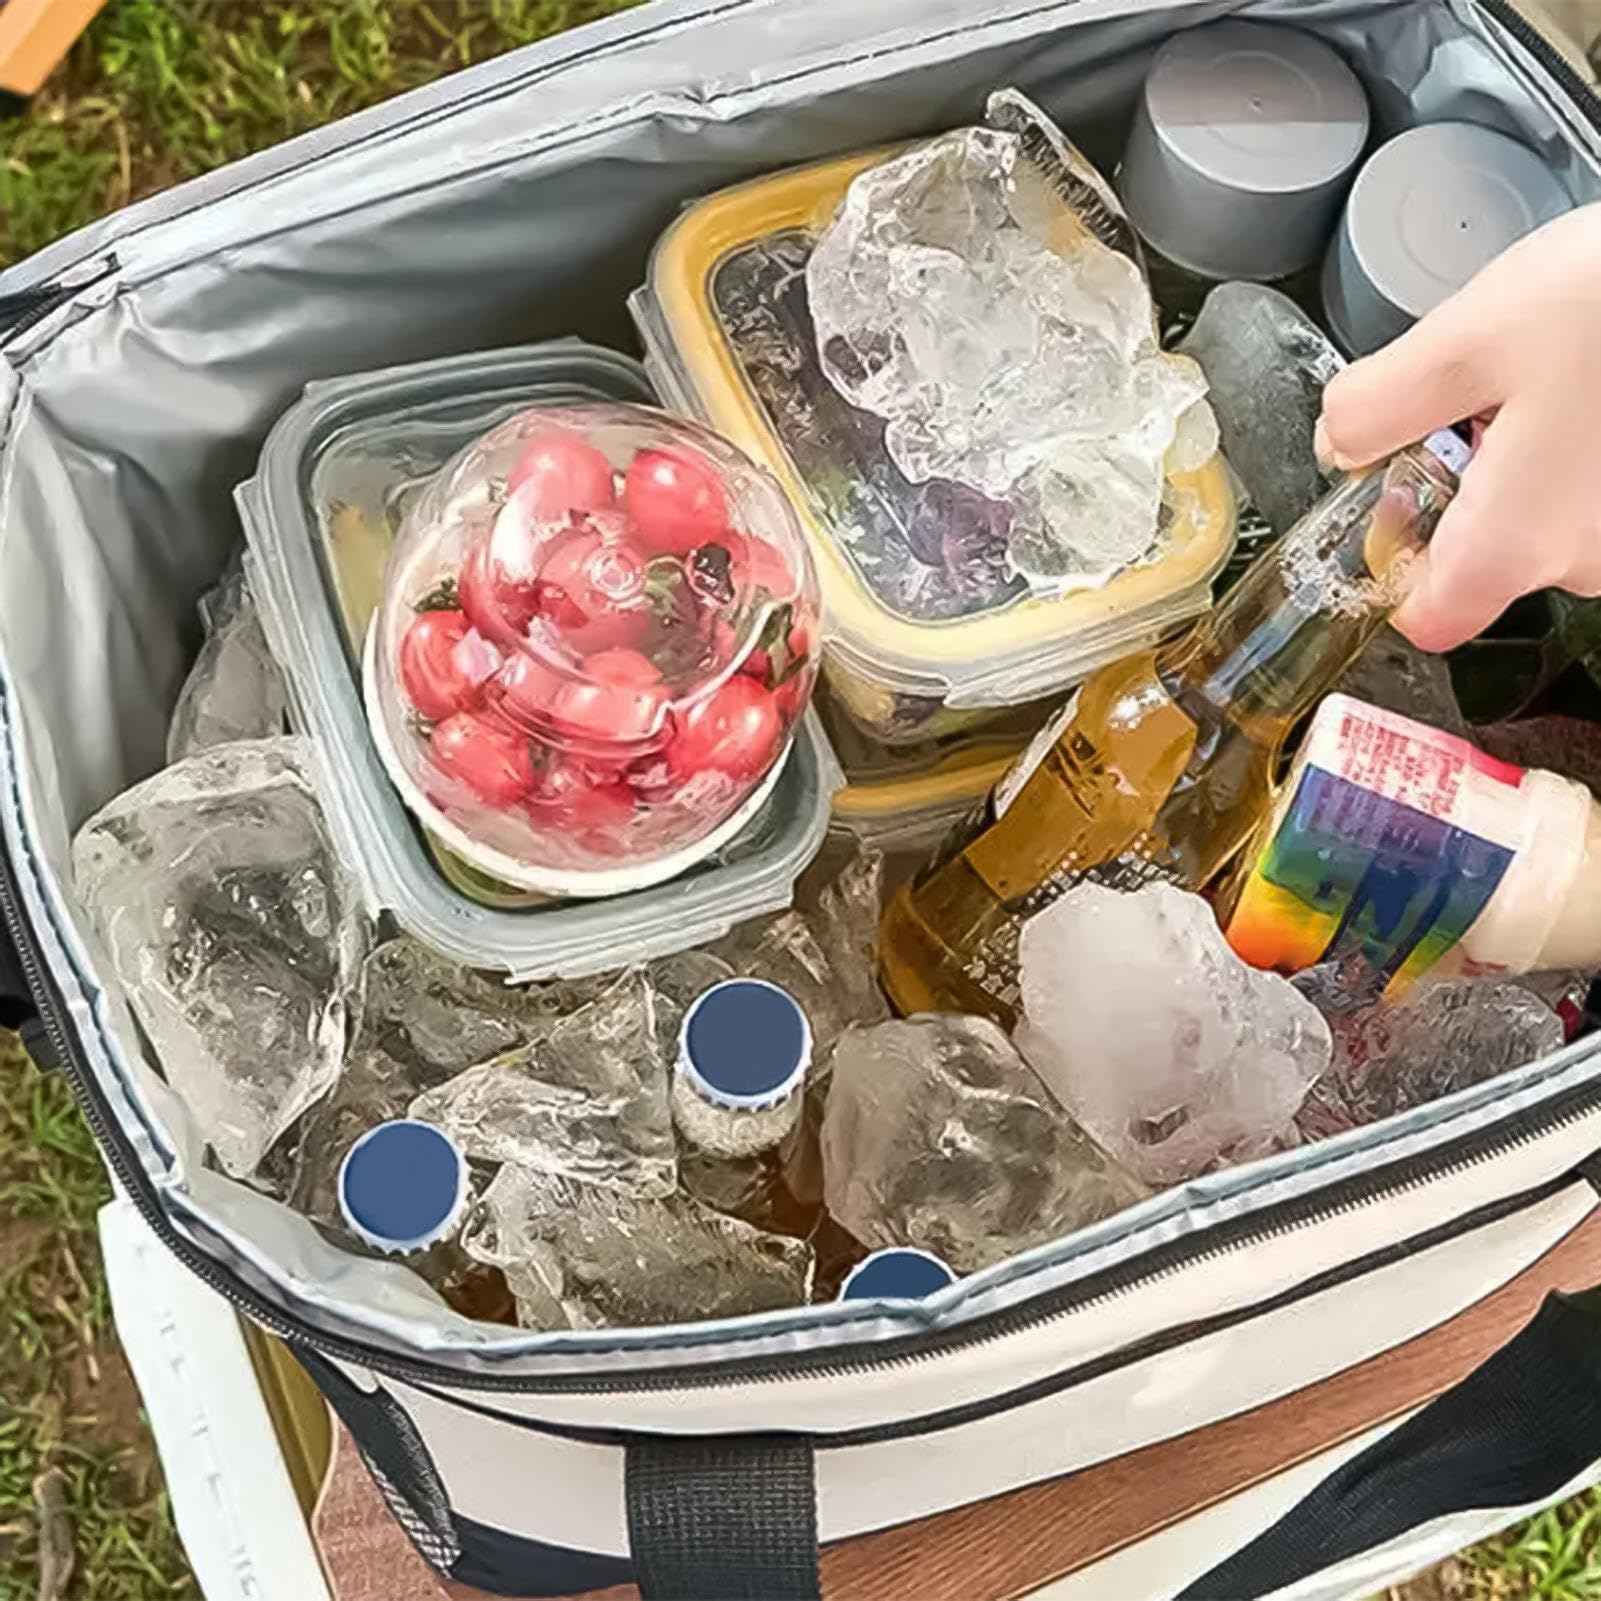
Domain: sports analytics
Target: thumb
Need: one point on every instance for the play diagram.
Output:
(1439, 372)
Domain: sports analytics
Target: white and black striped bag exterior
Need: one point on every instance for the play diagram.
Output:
(1301, 1377)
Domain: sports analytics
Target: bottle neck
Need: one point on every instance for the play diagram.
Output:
(1310, 602)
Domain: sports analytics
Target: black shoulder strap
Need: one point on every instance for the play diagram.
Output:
(1517, 1429)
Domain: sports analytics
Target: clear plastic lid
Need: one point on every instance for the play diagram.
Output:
(728, 335)
(403, 1186)
(598, 631)
(897, 1273)
(337, 475)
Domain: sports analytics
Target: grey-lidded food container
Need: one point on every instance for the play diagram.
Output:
(335, 476)
(1427, 211)
(1244, 139)
(1306, 1376)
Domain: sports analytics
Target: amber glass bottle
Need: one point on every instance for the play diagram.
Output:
(1162, 763)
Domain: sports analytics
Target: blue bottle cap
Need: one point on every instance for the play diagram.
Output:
(898, 1274)
(403, 1186)
(745, 1045)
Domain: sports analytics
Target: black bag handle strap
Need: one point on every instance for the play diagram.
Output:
(18, 1010)
(723, 1518)
(1518, 1428)
(16, 1000)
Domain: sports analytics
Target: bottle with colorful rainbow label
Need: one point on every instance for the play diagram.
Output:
(1397, 850)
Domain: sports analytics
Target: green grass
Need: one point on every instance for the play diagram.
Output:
(71, 1431)
(1555, 1557)
(159, 91)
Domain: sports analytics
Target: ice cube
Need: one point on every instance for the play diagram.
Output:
(938, 1134)
(234, 690)
(422, 1019)
(678, 982)
(822, 951)
(588, 1100)
(235, 931)
(1171, 1051)
(1266, 363)
(1007, 348)
(1442, 1037)
(1394, 674)
(591, 1256)
(823, 956)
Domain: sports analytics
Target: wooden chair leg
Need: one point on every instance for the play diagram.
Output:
(35, 36)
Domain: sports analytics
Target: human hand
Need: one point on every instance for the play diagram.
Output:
(1520, 349)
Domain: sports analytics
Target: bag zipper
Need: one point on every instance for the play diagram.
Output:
(30, 306)
(1360, 1189)
(1580, 91)
(20, 311)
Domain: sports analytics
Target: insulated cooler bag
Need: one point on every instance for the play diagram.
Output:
(1306, 1376)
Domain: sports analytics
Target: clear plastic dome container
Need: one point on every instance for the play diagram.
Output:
(599, 629)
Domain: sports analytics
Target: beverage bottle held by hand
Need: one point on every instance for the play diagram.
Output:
(1162, 764)
(403, 1193)
(738, 1095)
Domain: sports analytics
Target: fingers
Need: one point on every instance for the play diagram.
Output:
(1472, 570)
(1439, 372)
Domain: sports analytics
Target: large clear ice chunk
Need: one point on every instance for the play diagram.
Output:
(937, 1134)
(823, 951)
(235, 931)
(1171, 1051)
(234, 690)
(422, 1019)
(587, 1101)
(592, 1256)
(1442, 1037)
(1266, 363)
(957, 296)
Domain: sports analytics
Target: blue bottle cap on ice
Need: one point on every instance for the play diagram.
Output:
(898, 1274)
(403, 1186)
(745, 1045)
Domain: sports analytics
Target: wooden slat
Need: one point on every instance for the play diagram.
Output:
(35, 36)
(1018, 1542)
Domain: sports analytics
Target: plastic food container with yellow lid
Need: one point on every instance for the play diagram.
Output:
(905, 799)
(729, 339)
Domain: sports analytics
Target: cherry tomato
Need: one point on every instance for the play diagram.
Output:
(622, 666)
(621, 701)
(800, 638)
(608, 712)
(445, 663)
(592, 588)
(499, 606)
(492, 760)
(675, 499)
(528, 691)
(559, 474)
(767, 568)
(578, 799)
(736, 730)
(791, 696)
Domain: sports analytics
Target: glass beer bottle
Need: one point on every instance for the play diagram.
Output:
(1162, 764)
